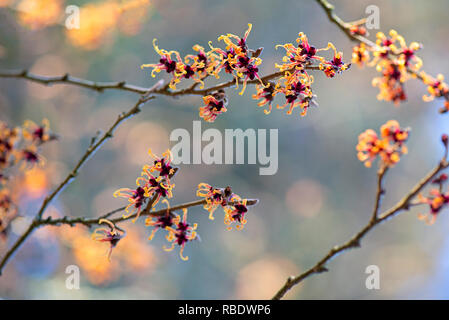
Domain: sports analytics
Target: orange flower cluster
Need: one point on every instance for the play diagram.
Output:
(243, 64)
(295, 84)
(196, 67)
(18, 146)
(398, 62)
(235, 208)
(389, 146)
(436, 88)
(437, 199)
(111, 235)
(360, 55)
(393, 58)
(150, 189)
(237, 59)
(215, 104)
(179, 230)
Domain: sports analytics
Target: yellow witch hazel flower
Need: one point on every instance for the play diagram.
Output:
(112, 235)
(179, 230)
(238, 59)
(234, 207)
(167, 63)
(149, 186)
(180, 233)
(295, 83)
(196, 67)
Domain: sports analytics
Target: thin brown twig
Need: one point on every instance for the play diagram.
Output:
(124, 86)
(157, 213)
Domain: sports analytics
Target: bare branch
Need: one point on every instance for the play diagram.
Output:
(122, 85)
(68, 79)
(157, 213)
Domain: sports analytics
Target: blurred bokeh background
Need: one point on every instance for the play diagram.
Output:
(319, 197)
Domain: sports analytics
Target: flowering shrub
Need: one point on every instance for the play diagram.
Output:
(238, 60)
(150, 189)
(290, 86)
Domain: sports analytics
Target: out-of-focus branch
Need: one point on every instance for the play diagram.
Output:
(404, 204)
(342, 25)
